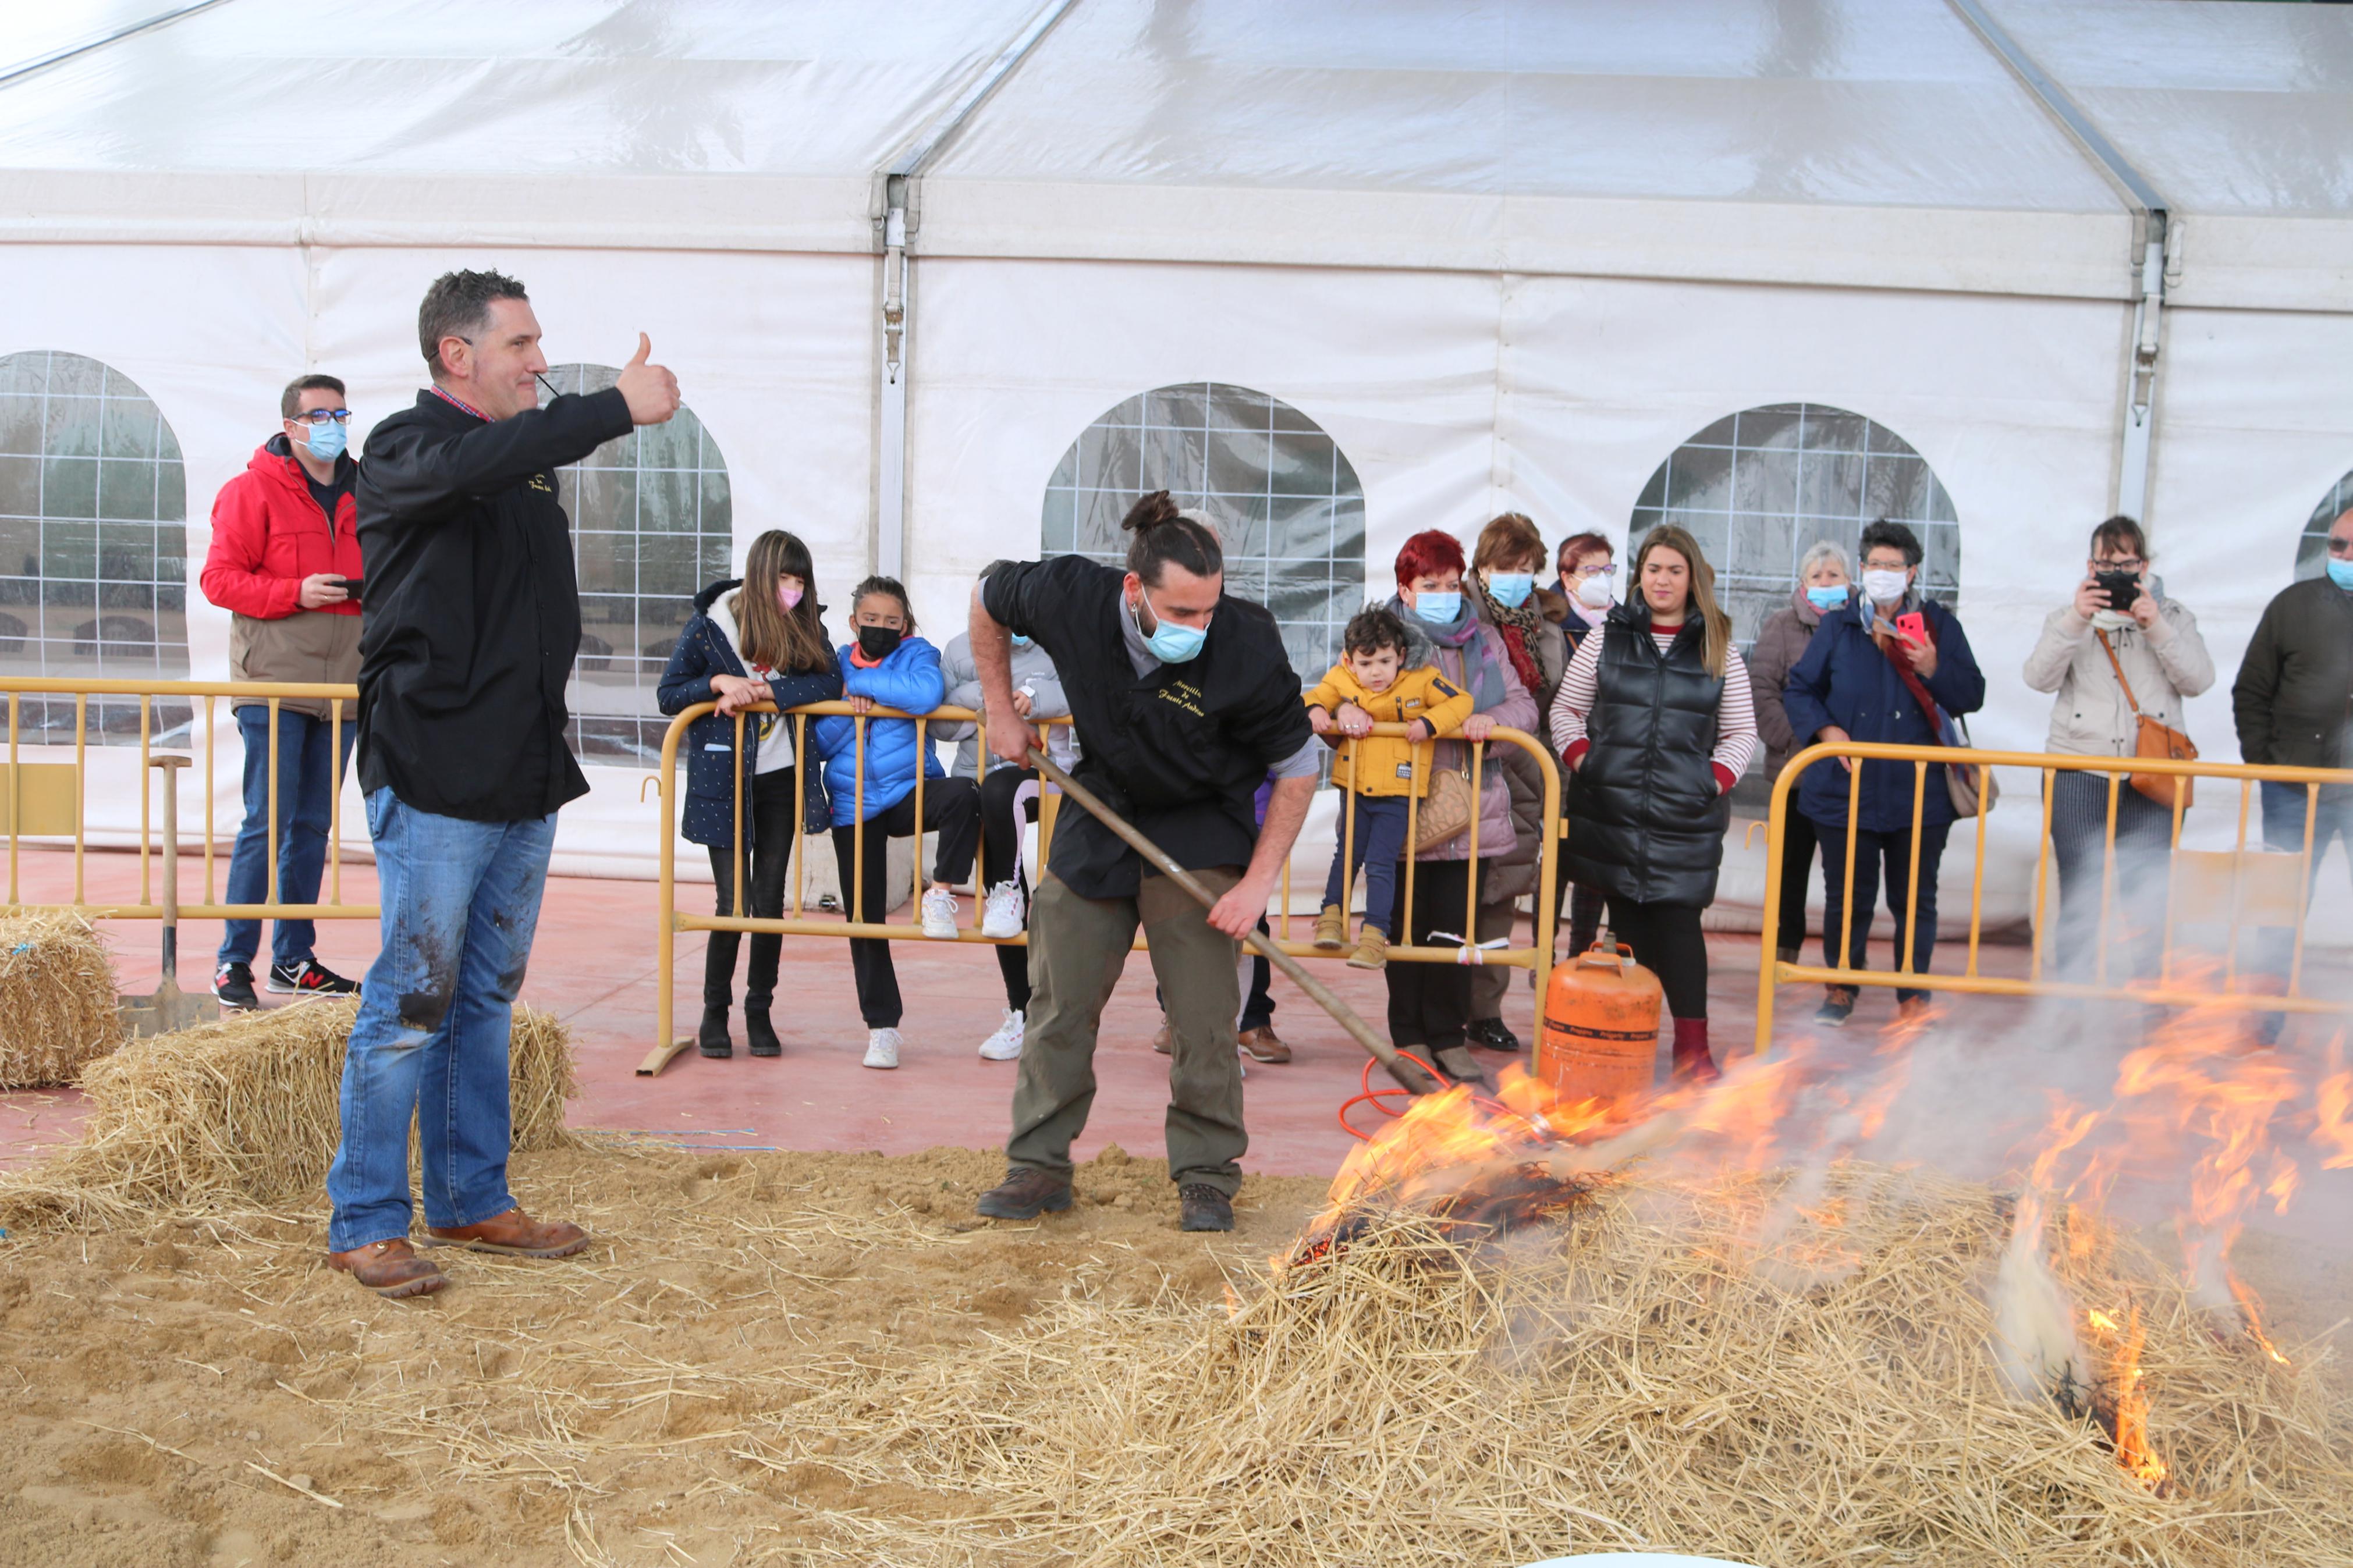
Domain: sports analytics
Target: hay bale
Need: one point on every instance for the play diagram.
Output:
(1664, 1371)
(244, 1112)
(58, 1008)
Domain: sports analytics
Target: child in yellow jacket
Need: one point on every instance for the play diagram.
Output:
(1368, 685)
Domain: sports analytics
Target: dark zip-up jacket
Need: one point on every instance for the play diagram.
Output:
(1842, 678)
(471, 615)
(1647, 813)
(713, 770)
(2293, 698)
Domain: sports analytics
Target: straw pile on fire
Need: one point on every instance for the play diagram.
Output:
(1502, 1344)
(242, 1113)
(57, 1000)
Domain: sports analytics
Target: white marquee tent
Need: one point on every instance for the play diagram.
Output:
(1347, 269)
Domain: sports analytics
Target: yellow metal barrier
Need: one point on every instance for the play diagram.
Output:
(2250, 883)
(1537, 956)
(46, 800)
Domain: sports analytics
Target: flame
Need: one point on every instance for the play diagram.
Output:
(2133, 1451)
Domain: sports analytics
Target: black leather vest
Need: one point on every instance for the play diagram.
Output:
(1647, 822)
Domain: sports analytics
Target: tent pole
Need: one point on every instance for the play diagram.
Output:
(2156, 235)
(898, 278)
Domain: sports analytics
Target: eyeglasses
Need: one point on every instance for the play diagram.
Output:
(2119, 563)
(1589, 571)
(320, 416)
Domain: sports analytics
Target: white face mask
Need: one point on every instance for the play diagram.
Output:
(1885, 587)
(1593, 592)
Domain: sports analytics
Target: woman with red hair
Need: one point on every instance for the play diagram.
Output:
(1429, 1004)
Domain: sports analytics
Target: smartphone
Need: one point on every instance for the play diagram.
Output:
(1913, 628)
(2123, 588)
(352, 586)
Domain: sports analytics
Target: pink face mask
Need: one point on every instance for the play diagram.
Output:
(789, 597)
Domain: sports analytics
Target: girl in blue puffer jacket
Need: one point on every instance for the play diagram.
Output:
(889, 667)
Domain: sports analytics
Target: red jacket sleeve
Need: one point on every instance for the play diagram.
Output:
(233, 577)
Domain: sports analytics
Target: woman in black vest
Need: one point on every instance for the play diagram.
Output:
(1654, 723)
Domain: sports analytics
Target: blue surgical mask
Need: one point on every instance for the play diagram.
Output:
(2341, 574)
(1018, 640)
(1170, 643)
(1829, 598)
(327, 441)
(1438, 609)
(1510, 589)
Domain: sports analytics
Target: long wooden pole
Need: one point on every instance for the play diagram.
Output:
(1400, 1068)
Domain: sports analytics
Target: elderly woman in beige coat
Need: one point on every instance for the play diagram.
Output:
(2111, 665)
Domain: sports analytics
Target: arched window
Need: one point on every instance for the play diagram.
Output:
(2312, 550)
(1757, 488)
(652, 521)
(1290, 513)
(93, 543)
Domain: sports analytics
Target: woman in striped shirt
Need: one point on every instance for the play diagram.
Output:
(1655, 725)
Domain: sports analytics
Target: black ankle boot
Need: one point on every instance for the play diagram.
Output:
(712, 1038)
(760, 1032)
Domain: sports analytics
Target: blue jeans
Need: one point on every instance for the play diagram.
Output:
(1381, 845)
(2283, 813)
(305, 793)
(460, 903)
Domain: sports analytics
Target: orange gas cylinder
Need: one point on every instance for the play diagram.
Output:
(1600, 1035)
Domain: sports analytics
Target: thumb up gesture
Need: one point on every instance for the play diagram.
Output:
(650, 391)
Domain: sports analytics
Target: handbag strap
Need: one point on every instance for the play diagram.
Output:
(2109, 648)
(1912, 683)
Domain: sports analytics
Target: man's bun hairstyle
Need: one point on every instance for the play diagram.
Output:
(459, 306)
(1161, 534)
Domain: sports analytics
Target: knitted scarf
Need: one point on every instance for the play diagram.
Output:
(1483, 676)
(1517, 627)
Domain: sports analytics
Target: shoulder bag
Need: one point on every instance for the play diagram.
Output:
(1960, 783)
(2155, 739)
(1446, 811)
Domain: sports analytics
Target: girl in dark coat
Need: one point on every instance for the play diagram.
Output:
(756, 638)
(1655, 725)
(1855, 682)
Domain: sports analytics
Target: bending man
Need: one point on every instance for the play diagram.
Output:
(471, 620)
(1184, 701)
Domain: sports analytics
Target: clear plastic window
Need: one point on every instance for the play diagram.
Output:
(652, 521)
(93, 543)
(1289, 509)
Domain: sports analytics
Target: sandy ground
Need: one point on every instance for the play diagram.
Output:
(170, 1389)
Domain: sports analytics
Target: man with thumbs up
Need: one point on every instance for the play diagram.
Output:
(470, 618)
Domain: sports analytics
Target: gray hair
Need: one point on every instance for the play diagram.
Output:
(1822, 550)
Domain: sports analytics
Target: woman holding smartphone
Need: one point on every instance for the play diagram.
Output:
(1889, 665)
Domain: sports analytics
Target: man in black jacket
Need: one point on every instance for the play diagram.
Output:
(471, 622)
(2293, 702)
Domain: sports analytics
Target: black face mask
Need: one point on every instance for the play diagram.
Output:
(879, 642)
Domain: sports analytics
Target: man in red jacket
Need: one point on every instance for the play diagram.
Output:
(285, 559)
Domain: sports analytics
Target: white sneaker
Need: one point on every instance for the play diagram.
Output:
(1002, 917)
(939, 915)
(1005, 1045)
(1244, 1068)
(881, 1047)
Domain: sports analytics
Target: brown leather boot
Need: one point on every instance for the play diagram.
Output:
(1262, 1045)
(514, 1234)
(1024, 1194)
(390, 1269)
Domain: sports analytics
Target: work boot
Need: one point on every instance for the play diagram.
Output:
(1372, 948)
(1024, 1194)
(760, 1034)
(390, 1269)
(1203, 1207)
(712, 1038)
(513, 1234)
(1493, 1035)
(1459, 1065)
(1693, 1062)
(1164, 1039)
(1260, 1045)
(1332, 929)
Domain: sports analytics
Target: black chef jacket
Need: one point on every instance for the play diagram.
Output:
(471, 617)
(1179, 752)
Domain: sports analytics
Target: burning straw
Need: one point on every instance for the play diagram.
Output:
(1636, 1373)
(57, 1000)
(243, 1113)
